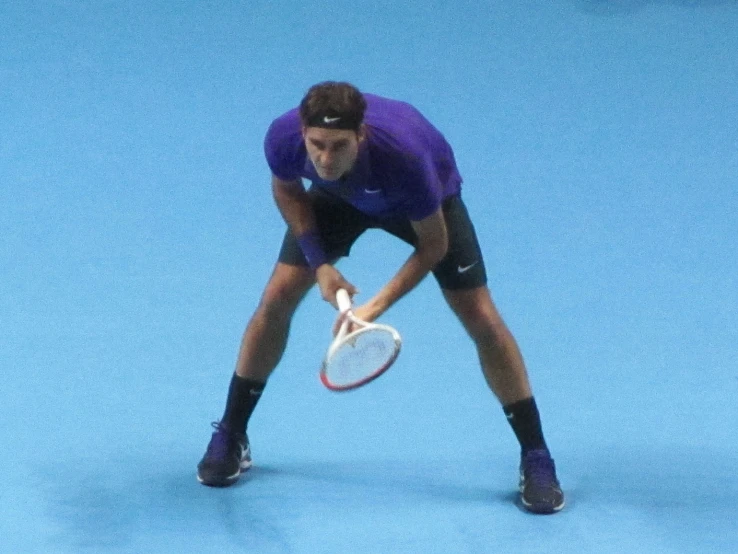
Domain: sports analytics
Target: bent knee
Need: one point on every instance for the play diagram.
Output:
(484, 324)
(478, 314)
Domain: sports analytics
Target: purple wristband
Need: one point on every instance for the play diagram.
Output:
(312, 249)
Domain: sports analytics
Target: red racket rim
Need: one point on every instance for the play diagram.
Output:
(360, 383)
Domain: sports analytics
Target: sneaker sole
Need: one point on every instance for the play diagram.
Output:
(226, 481)
(540, 508)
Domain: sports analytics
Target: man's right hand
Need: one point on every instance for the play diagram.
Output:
(329, 280)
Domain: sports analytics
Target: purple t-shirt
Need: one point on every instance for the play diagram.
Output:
(405, 168)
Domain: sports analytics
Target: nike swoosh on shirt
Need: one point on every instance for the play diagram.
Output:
(464, 269)
(372, 191)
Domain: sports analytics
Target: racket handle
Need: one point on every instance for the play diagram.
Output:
(343, 300)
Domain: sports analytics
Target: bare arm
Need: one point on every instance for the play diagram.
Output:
(431, 248)
(294, 204)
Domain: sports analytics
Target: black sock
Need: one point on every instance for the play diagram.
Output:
(526, 423)
(243, 394)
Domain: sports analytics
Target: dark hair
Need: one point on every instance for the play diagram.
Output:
(334, 105)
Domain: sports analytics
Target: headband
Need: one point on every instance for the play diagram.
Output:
(334, 120)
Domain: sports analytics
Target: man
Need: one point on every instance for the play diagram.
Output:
(373, 163)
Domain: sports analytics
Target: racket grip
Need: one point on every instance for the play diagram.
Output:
(343, 300)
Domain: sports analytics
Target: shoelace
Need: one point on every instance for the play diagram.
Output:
(218, 447)
(539, 467)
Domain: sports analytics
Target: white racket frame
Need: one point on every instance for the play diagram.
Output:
(343, 337)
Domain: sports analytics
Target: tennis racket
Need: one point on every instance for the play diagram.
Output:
(356, 358)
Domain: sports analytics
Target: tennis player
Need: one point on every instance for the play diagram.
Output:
(373, 163)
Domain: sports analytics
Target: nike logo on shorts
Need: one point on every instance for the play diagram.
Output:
(465, 268)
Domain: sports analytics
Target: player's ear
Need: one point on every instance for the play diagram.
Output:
(361, 133)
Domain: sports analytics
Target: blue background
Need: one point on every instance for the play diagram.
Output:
(599, 145)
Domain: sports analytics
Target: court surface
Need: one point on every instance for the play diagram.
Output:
(599, 147)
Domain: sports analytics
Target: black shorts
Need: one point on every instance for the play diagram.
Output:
(340, 224)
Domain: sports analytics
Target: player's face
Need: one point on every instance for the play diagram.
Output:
(332, 151)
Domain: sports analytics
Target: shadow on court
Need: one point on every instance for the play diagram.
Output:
(384, 482)
(115, 506)
(104, 510)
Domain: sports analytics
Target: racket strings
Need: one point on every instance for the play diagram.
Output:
(361, 356)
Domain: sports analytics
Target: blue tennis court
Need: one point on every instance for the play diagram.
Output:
(598, 142)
